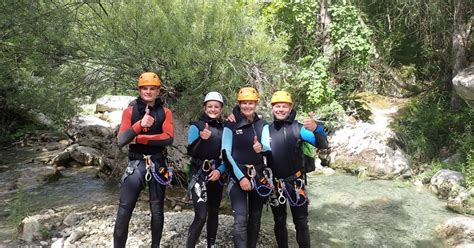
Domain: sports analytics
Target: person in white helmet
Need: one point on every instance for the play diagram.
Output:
(206, 185)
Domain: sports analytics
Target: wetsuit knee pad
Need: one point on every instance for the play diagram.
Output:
(240, 223)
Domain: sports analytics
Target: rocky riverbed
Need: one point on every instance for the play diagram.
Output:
(93, 226)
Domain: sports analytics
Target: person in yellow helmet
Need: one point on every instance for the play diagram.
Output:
(147, 127)
(286, 162)
(243, 147)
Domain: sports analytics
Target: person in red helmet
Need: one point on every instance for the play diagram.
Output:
(147, 127)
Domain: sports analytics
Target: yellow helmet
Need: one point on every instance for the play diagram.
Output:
(149, 78)
(247, 94)
(281, 96)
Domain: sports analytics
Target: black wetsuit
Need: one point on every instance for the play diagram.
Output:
(286, 163)
(205, 207)
(238, 140)
(143, 142)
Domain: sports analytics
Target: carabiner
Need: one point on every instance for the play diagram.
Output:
(148, 165)
(299, 183)
(251, 172)
(206, 165)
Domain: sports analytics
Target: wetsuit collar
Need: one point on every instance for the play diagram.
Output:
(213, 122)
(142, 105)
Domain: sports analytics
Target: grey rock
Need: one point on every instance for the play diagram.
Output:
(75, 236)
(458, 232)
(463, 83)
(446, 182)
(29, 228)
(71, 219)
(110, 103)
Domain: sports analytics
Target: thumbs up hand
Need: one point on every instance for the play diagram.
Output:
(310, 123)
(205, 133)
(147, 120)
(257, 146)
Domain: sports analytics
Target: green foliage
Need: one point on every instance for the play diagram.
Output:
(431, 133)
(294, 22)
(194, 46)
(350, 37)
(56, 53)
(19, 208)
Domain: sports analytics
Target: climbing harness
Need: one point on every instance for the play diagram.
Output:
(166, 172)
(298, 185)
(282, 194)
(265, 181)
(198, 185)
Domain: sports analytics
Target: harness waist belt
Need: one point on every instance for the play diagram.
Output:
(139, 156)
(199, 162)
(293, 177)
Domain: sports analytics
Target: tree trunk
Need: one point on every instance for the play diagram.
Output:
(461, 29)
(324, 22)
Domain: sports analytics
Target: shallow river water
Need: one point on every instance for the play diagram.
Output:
(344, 211)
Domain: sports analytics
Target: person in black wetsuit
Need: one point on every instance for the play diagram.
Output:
(286, 161)
(204, 146)
(243, 146)
(147, 127)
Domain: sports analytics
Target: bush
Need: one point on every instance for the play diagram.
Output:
(432, 133)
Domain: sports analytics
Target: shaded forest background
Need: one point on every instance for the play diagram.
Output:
(56, 55)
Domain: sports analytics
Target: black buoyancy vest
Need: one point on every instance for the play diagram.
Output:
(243, 133)
(158, 113)
(285, 159)
(210, 148)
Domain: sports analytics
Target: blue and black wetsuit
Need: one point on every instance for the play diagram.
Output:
(205, 157)
(237, 145)
(142, 142)
(286, 163)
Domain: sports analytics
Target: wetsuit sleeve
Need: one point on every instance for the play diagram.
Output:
(162, 139)
(318, 138)
(127, 131)
(193, 134)
(266, 139)
(321, 137)
(193, 140)
(227, 148)
(222, 168)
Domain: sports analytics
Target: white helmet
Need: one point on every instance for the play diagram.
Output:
(214, 96)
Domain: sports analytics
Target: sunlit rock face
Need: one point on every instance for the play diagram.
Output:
(371, 148)
(463, 83)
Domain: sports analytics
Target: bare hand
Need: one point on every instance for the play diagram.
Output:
(257, 146)
(310, 123)
(205, 133)
(214, 175)
(245, 184)
(231, 118)
(147, 120)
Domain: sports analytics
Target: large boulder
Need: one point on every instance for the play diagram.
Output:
(110, 103)
(463, 83)
(458, 232)
(446, 182)
(369, 147)
(462, 202)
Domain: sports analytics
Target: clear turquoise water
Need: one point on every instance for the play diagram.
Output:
(346, 212)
